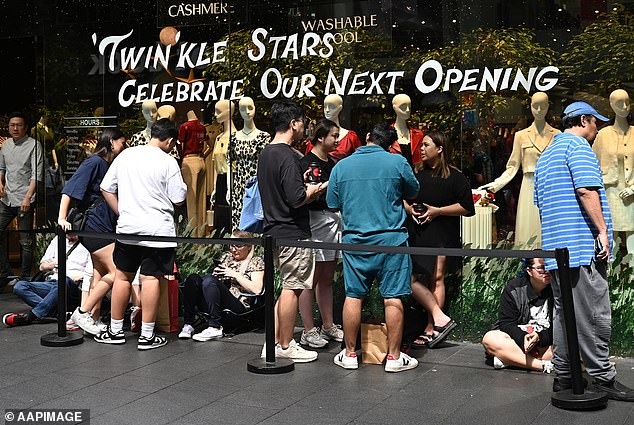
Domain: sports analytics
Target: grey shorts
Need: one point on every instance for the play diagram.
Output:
(296, 265)
(325, 226)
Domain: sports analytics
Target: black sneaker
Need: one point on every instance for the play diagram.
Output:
(107, 337)
(560, 384)
(16, 319)
(155, 341)
(614, 389)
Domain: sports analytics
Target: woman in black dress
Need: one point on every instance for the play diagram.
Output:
(445, 195)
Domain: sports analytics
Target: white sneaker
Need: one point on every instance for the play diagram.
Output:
(547, 366)
(404, 362)
(101, 325)
(497, 363)
(333, 334)
(208, 334)
(187, 332)
(295, 353)
(347, 361)
(313, 339)
(86, 322)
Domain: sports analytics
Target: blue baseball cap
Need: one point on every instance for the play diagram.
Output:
(581, 108)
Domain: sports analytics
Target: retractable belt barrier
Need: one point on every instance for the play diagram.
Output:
(574, 398)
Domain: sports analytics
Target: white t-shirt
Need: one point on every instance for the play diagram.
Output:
(78, 263)
(148, 183)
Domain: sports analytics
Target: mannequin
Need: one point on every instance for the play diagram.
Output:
(348, 140)
(410, 140)
(614, 147)
(528, 146)
(192, 136)
(53, 180)
(149, 111)
(224, 111)
(243, 153)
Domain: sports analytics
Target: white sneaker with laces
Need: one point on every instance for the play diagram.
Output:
(404, 362)
(347, 361)
(187, 332)
(332, 334)
(547, 366)
(208, 334)
(86, 322)
(295, 353)
(313, 339)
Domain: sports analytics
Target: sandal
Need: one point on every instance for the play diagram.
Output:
(443, 333)
(422, 340)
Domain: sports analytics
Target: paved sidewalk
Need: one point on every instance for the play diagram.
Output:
(188, 382)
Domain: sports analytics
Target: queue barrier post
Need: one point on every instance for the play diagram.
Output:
(269, 365)
(575, 398)
(62, 338)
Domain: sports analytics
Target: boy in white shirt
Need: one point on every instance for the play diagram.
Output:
(142, 186)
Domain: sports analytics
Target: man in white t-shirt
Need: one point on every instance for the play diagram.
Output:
(141, 186)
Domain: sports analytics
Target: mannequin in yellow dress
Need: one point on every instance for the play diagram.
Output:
(614, 147)
(224, 115)
(528, 146)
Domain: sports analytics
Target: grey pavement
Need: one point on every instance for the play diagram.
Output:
(188, 382)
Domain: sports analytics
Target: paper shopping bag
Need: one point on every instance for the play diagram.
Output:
(373, 342)
(167, 317)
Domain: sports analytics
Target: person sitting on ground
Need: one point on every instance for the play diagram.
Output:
(239, 273)
(523, 334)
(42, 294)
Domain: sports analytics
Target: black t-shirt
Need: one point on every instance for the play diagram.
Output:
(326, 167)
(281, 184)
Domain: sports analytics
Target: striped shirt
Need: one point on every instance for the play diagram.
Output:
(566, 165)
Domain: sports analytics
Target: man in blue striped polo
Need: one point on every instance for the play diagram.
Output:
(575, 214)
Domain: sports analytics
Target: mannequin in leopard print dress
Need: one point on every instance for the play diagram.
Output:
(244, 151)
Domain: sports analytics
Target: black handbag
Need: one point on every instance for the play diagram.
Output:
(77, 218)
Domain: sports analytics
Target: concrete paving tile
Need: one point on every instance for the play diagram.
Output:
(220, 413)
(617, 413)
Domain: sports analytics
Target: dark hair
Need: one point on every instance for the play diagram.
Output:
(570, 122)
(383, 135)
(322, 129)
(528, 262)
(441, 140)
(104, 145)
(282, 113)
(163, 129)
(18, 114)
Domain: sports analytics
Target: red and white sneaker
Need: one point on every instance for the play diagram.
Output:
(347, 361)
(404, 362)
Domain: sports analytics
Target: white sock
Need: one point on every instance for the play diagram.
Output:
(116, 325)
(147, 329)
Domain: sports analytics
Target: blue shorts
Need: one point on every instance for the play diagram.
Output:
(392, 271)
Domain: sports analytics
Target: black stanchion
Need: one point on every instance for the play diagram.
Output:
(269, 365)
(62, 338)
(575, 398)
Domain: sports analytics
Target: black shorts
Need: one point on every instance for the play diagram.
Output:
(153, 261)
(93, 244)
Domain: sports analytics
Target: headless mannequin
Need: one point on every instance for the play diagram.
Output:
(614, 147)
(244, 152)
(348, 139)
(224, 115)
(192, 136)
(528, 146)
(402, 105)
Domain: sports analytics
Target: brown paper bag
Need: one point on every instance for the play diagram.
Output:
(167, 316)
(373, 342)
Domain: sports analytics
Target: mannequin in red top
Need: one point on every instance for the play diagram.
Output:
(348, 139)
(410, 140)
(192, 136)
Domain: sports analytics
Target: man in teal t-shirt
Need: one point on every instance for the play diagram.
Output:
(369, 187)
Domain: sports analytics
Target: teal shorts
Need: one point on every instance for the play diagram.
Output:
(392, 271)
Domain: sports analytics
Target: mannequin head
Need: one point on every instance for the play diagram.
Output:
(539, 105)
(166, 111)
(620, 103)
(333, 104)
(149, 110)
(402, 105)
(224, 110)
(247, 108)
